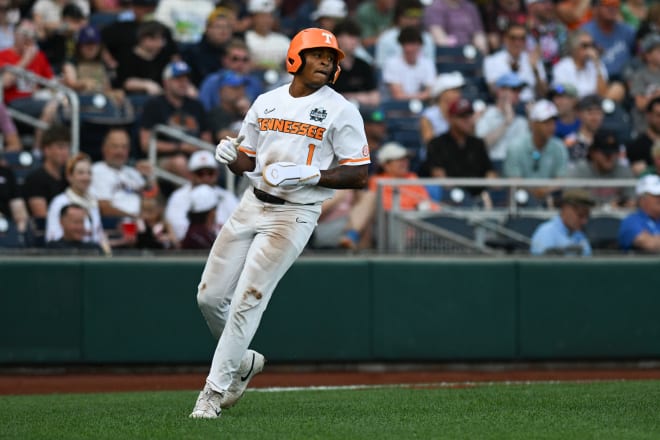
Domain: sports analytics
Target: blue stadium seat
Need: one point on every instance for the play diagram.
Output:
(21, 163)
(603, 232)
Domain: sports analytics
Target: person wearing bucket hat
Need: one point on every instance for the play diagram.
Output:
(328, 13)
(640, 230)
(564, 233)
(268, 48)
(434, 119)
(603, 163)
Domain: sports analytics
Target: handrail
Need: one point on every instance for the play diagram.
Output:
(71, 95)
(513, 183)
(183, 137)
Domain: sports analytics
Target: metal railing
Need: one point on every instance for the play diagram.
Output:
(390, 225)
(182, 136)
(57, 88)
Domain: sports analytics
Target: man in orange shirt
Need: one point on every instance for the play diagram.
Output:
(395, 164)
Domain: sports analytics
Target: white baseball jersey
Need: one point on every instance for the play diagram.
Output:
(322, 129)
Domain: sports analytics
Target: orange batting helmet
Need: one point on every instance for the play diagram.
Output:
(312, 38)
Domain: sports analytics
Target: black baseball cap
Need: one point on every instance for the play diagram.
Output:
(606, 141)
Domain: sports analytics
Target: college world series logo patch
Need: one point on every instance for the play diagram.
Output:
(318, 114)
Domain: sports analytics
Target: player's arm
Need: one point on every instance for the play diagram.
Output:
(242, 164)
(345, 177)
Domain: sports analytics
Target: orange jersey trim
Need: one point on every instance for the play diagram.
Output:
(361, 160)
(246, 151)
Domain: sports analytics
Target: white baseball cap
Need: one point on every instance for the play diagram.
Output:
(542, 111)
(330, 8)
(256, 6)
(391, 151)
(201, 159)
(202, 198)
(649, 184)
(447, 81)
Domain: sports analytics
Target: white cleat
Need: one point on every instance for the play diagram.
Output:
(251, 365)
(207, 405)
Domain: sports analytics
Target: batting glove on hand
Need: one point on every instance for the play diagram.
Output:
(227, 150)
(291, 174)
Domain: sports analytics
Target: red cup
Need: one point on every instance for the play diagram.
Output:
(129, 229)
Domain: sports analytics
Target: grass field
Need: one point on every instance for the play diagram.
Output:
(595, 410)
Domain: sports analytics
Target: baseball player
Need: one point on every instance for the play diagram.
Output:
(297, 143)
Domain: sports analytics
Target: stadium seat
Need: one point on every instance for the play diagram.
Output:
(457, 225)
(603, 233)
(21, 163)
(465, 59)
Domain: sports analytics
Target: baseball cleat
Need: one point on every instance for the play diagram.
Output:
(207, 405)
(251, 365)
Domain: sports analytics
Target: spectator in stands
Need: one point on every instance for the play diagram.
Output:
(514, 58)
(58, 43)
(603, 163)
(376, 131)
(268, 48)
(645, 81)
(328, 13)
(640, 230)
(590, 115)
(458, 153)
(584, 69)
(655, 155)
(12, 205)
(639, 149)
(565, 98)
(434, 119)
(237, 61)
(79, 175)
(47, 16)
(546, 33)
(634, 12)
(153, 231)
(73, 220)
(185, 18)
(205, 57)
(226, 118)
(174, 108)
(202, 229)
(44, 183)
(407, 13)
(539, 154)
(409, 75)
(117, 185)
(499, 124)
(19, 93)
(374, 17)
(574, 13)
(394, 161)
(139, 71)
(499, 16)
(564, 233)
(357, 81)
(455, 23)
(204, 170)
(10, 139)
(651, 24)
(9, 16)
(613, 38)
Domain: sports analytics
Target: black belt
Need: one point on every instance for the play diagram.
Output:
(269, 198)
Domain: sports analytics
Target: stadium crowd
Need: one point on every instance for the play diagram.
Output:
(446, 88)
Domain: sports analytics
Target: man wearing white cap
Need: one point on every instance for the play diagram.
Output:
(267, 47)
(329, 13)
(204, 171)
(434, 120)
(201, 232)
(641, 229)
(539, 154)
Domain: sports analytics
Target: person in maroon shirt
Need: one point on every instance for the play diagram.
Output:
(202, 229)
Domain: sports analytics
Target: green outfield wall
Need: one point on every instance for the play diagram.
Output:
(143, 310)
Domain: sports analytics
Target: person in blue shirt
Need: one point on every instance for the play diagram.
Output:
(563, 234)
(640, 230)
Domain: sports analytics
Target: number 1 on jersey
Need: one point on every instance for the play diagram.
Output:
(310, 153)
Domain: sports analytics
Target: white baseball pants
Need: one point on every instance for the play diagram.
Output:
(253, 251)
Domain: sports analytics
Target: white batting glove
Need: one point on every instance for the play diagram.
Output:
(227, 150)
(291, 174)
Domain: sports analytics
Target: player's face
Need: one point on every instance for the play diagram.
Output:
(319, 64)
